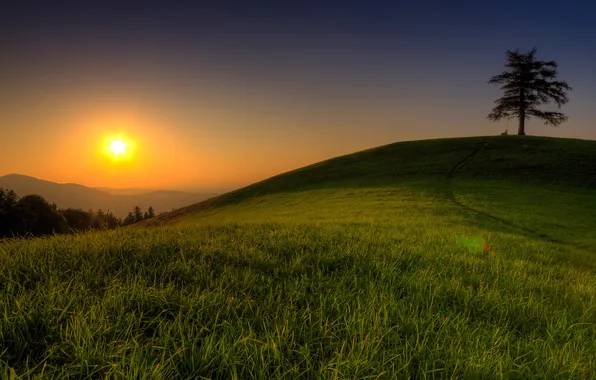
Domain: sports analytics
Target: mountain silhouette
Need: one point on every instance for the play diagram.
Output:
(118, 201)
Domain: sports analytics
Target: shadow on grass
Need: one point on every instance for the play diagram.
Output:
(505, 225)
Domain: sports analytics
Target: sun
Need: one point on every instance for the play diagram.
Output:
(118, 147)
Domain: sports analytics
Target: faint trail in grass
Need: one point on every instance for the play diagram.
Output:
(507, 223)
(460, 165)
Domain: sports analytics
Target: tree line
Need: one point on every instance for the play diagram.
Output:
(32, 215)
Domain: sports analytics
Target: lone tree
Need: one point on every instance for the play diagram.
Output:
(526, 85)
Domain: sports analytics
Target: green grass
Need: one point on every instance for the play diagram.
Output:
(364, 266)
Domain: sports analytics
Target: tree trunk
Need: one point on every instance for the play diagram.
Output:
(522, 123)
(522, 114)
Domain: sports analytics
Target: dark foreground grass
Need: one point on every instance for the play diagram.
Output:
(342, 282)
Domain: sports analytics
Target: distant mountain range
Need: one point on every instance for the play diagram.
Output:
(129, 191)
(118, 201)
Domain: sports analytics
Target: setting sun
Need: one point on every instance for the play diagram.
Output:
(118, 147)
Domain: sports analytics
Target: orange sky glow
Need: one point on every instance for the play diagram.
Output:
(216, 101)
(165, 150)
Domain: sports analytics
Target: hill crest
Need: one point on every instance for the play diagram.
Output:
(531, 159)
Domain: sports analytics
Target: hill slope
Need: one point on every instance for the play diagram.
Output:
(78, 196)
(522, 159)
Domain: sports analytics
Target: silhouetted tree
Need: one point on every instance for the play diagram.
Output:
(8, 199)
(8, 211)
(130, 219)
(99, 220)
(39, 217)
(527, 84)
(78, 220)
(111, 221)
(33, 215)
(138, 214)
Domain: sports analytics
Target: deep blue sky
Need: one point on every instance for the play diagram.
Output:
(285, 84)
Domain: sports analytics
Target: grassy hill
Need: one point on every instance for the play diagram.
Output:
(522, 159)
(454, 258)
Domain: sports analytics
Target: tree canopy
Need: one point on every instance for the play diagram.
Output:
(32, 215)
(528, 84)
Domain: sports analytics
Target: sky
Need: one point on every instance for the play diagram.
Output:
(220, 94)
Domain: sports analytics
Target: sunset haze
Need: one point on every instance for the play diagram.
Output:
(222, 95)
